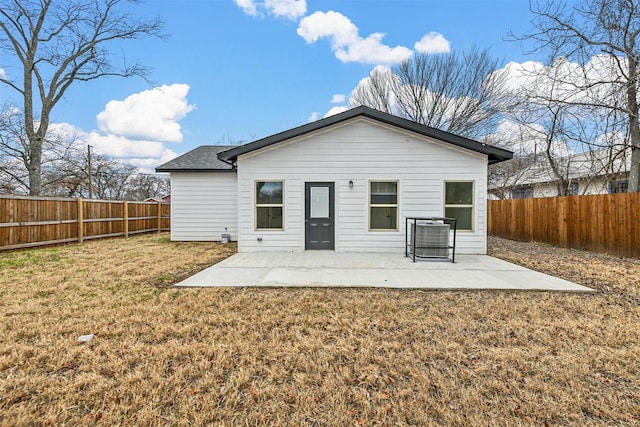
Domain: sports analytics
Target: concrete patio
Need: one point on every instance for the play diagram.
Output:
(386, 270)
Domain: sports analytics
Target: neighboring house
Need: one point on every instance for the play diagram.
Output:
(599, 171)
(343, 183)
(164, 199)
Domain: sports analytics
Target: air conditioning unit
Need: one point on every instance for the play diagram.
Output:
(431, 240)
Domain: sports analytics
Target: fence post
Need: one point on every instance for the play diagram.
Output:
(126, 218)
(159, 217)
(80, 220)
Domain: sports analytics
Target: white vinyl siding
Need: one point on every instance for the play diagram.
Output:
(360, 150)
(203, 204)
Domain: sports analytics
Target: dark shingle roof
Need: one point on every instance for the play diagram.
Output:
(201, 159)
(495, 154)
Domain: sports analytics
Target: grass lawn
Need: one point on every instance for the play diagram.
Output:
(315, 357)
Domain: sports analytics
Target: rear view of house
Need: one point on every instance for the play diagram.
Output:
(343, 183)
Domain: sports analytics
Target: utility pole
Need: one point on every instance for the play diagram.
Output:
(89, 159)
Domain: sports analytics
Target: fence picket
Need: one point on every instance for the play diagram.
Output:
(35, 221)
(601, 223)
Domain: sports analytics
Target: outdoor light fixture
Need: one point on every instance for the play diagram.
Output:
(350, 184)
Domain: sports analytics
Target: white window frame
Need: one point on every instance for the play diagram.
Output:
(267, 205)
(472, 205)
(384, 205)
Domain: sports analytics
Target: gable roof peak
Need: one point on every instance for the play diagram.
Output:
(494, 154)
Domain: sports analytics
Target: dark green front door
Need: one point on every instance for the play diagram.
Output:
(319, 215)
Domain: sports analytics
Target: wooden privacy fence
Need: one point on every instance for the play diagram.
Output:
(37, 221)
(600, 223)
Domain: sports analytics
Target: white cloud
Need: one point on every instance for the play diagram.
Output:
(10, 111)
(518, 75)
(151, 115)
(526, 139)
(3, 75)
(338, 98)
(248, 6)
(433, 43)
(135, 130)
(336, 110)
(313, 117)
(147, 165)
(330, 24)
(66, 132)
(375, 90)
(343, 34)
(63, 139)
(290, 9)
(520, 139)
(122, 133)
(123, 148)
(346, 41)
(562, 79)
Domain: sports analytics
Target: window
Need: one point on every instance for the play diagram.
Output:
(618, 186)
(572, 189)
(522, 192)
(269, 205)
(383, 205)
(458, 203)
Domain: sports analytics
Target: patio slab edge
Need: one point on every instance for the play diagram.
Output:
(468, 273)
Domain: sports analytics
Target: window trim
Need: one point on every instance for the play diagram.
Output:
(615, 185)
(472, 205)
(267, 205)
(573, 188)
(383, 205)
(522, 192)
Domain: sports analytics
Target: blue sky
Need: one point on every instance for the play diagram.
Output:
(244, 69)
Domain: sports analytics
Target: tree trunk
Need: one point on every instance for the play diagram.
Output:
(57, 44)
(634, 126)
(35, 180)
(35, 168)
(634, 172)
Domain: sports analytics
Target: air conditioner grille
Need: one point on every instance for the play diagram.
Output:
(431, 240)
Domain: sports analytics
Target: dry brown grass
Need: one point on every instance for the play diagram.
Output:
(166, 356)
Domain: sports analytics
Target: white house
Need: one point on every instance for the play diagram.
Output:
(343, 183)
(601, 171)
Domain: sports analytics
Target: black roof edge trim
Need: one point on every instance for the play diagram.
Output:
(162, 170)
(495, 154)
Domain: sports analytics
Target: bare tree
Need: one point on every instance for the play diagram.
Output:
(13, 150)
(459, 93)
(591, 29)
(58, 43)
(65, 166)
(503, 177)
(548, 123)
(110, 179)
(375, 91)
(144, 186)
(59, 151)
(570, 135)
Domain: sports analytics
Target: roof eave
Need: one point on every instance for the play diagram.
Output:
(159, 170)
(500, 157)
(495, 154)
